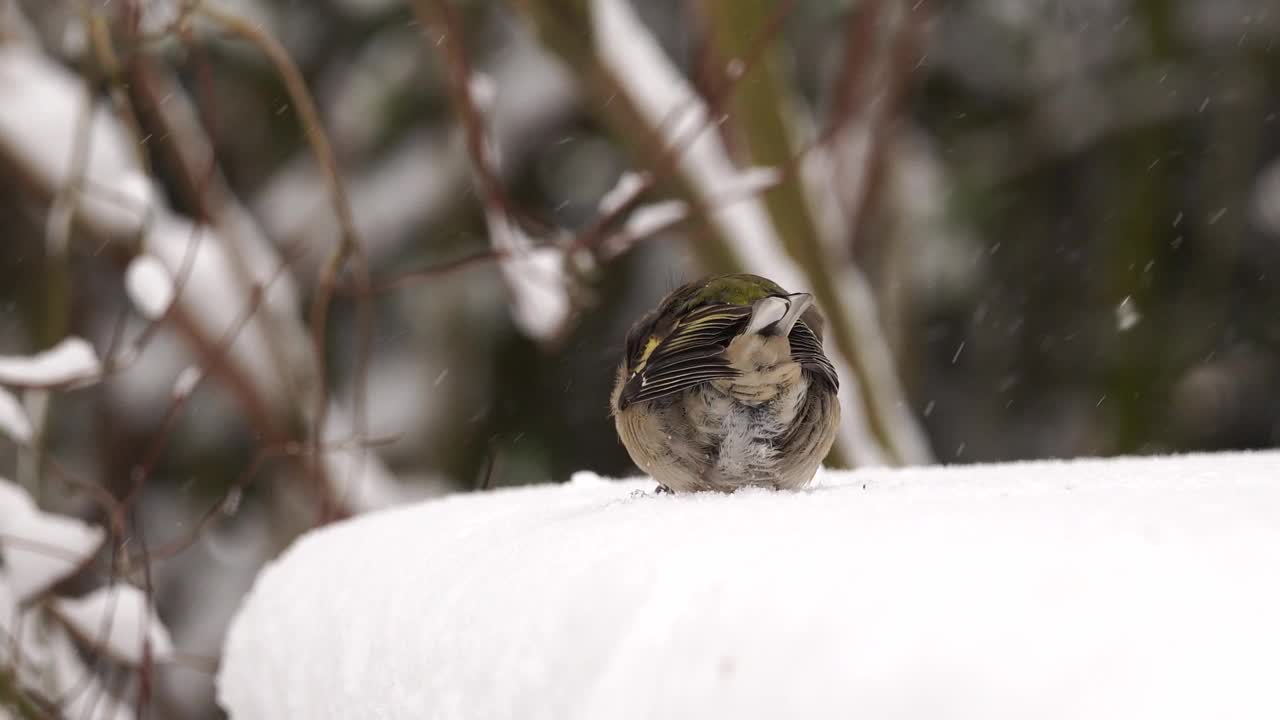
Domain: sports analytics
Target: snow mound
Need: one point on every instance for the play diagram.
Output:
(1096, 588)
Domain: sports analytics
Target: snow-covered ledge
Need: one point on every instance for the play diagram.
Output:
(1134, 588)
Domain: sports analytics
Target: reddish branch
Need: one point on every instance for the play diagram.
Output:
(853, 95)
(852, 88)
(237, 487)
(442, 17)
(350, 250)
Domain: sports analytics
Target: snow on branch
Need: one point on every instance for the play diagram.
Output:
(41, 105)
(536, 274)
(1141, 587)
(119, 620)
(69, 362)
(150, 286)
(38, 114)
(54, 672)
(40, 549)
(13, 419)
(221, 285)
(668, 103)
(37, 658)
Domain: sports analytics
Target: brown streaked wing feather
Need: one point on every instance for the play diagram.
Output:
(806, 349)
(693, 353)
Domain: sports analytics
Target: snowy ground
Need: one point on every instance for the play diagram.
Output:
(1137, 588)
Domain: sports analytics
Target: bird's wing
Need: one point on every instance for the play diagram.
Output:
(692, 353)
(806, 349)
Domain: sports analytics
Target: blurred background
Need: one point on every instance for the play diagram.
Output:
(1039, 228)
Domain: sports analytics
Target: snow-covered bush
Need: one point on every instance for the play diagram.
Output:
(41, 670)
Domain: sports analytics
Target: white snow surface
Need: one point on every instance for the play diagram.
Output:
(1058, 589)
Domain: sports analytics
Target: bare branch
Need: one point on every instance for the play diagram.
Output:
(350, 249)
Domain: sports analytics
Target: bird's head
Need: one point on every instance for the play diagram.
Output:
(681, 343)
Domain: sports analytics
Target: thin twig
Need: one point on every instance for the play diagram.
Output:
(220, 349)
(241, 483)
(417, 277)
(350, 249)
(850, 91)
(27, 705)
(147, 669)
(901, 60)
(440, 14)
(57, 285)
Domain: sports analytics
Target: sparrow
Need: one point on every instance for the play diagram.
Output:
(725, 385)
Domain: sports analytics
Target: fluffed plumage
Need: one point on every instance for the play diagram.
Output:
(725, 384)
